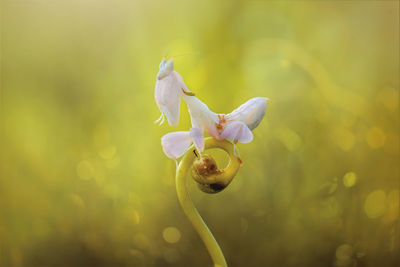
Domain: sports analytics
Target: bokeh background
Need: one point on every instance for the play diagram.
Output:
(83, 179)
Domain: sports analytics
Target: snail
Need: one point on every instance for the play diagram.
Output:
(209, 178)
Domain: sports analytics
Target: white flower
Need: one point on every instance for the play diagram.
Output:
(201, 116)
(169, 89)
(175, 144)
(251, 112)
(235, 126)
(237, 131)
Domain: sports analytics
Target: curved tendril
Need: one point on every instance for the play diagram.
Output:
(224, 176)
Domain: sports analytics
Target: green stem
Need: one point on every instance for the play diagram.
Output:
(187, 205)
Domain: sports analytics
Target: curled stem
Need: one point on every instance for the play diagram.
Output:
(223, 176)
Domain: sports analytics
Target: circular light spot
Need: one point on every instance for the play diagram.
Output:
(171, 235)
(375, 137)
(375, 204)
(108, 152)
(349, 179)
(85, 170)
(344, 252)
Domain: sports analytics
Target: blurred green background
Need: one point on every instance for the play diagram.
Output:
(83, 179)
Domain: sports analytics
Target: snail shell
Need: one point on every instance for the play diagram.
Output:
(206, 173)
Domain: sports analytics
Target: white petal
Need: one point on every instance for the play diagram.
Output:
(198, 138)
(176, 144)
(201, 116)
(237, 131)
(168, 94)
(251, 112)
(181, 82)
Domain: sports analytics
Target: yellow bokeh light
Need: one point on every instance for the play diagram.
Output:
(85, 170)
(375, 137)
(171, 235)
(108, 152)
(375, 204)
(349, 179)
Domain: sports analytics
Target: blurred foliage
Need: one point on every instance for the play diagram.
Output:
(83, 179)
